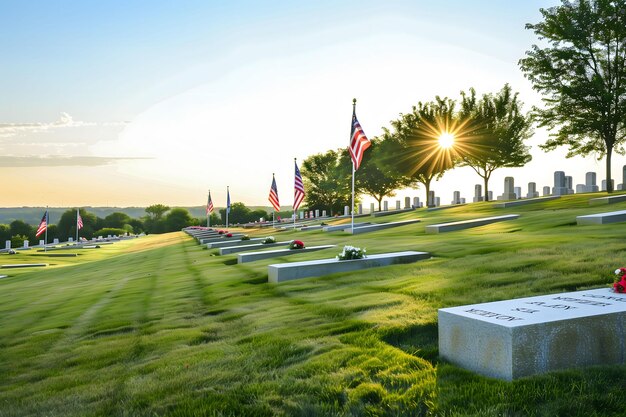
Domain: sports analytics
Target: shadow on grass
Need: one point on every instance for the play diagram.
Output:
(419, 340)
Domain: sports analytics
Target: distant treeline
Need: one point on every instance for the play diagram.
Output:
(157, 218)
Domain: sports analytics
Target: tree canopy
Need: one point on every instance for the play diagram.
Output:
(328, 181)
(580, 68)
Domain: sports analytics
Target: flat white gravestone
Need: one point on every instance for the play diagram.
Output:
(22, 265)
(244, 248)
(296, 270)
(344, 226)
(608, 200)
(528, 336)
(602, 218)
(221, 238)
(467, 224)
(233, 242)
(257, 256)
(380, 226)
(525, 201)
(389, 213)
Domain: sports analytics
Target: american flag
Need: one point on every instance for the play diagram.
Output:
(209, 205)
(43, 225)
(298, 194)
(274, 195)
(79, 220)
(358, 142)
(227, 200)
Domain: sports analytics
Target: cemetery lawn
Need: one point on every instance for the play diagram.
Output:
(162, 326)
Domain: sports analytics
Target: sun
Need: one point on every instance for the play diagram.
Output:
(446, 140)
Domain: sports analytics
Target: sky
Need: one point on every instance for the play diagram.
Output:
(123, 103)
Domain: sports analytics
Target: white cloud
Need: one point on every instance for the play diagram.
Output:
(10, 130)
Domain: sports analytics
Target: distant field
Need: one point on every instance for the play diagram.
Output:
(161, 326)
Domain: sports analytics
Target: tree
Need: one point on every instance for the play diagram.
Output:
(581, 71)
(156, 211)
(116, 220)
(19, 227)
(177, 219)
(67, 224)
(5, 232)
(493, 134)
(377, 177)
(414, 141)
(238, 214)
(327, 181)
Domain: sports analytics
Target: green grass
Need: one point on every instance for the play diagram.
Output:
(161, 326)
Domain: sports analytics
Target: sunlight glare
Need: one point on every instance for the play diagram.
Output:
(446, 140)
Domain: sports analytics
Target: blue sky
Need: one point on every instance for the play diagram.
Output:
(210, 94)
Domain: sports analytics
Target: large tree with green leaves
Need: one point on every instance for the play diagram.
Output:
(580, 68)
(492, 133)
(327, 181)
(414, 140)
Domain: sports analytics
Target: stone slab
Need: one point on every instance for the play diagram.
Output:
(3, 276)
(612, 199)
(315, 227)
(525, 201)
(22, 265)
(344, 226)
(516, 338)
(257, 256)
(221, 238)
(467, 224)
(602, 218)
(296, 270)
(380, 226)
(56, 255)
(243, 248)
(236, 242)
(389, 213)
(444, 207)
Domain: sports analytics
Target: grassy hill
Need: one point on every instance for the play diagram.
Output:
(161, 326)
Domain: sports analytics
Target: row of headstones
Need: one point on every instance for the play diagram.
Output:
(55, 241)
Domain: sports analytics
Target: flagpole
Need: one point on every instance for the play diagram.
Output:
(227, 205)
(353, 170)
(77, 214)
(273, 212)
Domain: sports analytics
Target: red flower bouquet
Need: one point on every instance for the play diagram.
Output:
(221, 232)
(296, 244)
(620, 281)
(229, 235)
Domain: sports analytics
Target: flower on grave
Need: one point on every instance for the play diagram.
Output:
(245, 237)
(619, 284)
(296, 244)
(269, 239)
(351, 252)
(229, 235)
(221, 232)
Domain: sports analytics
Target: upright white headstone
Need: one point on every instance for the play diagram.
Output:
(56, 241)
(456, 197)
(437, 201)
(42, 242)
(26, 243)
(624, 174)
(398, 205)
(590, 183)
(360, 208)
(518, 192)
(604, 184)
(546, 190)
(462, 200)
(323, 213)
(372, 207)
(509, 190)
(301, 215)
(385, 205)
(7, 244)
(559, 183)
(407, 202)
(317, 212)
(346, 210)
(490, 195)
(70, 239)
(416, 202)
(532, 190)
(430, 201)
(581, 188)
(478, 193)
(569, 184)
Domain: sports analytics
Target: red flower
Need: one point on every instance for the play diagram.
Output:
(221, 232)
(619, 287)
(229, 235)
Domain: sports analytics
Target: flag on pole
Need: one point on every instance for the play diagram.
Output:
(79, 221)
(43, 225)
(274, 195)
(298, 189)
(358, 142)
(209, 205)
(227, 200)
